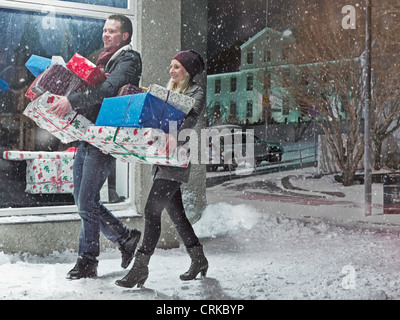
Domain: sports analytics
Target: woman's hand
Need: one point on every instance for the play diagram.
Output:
(169, 147)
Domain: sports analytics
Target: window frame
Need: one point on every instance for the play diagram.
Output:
(85, 11)
(249, 109)
(76, 9)
(250, 82)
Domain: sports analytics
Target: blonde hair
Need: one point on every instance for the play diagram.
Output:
(182, 86)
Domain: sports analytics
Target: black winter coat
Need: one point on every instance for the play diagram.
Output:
(124, 67)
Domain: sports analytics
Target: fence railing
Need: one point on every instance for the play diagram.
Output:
(291, 159)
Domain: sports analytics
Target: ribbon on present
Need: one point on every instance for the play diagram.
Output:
(57, 182)
(130, 153)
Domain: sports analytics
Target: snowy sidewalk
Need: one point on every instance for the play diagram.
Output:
(255, 252)
(299, 194)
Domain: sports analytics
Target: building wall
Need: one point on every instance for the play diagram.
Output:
(261, 56)
(165, 28)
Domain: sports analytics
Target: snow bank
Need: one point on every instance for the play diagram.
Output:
(222, 218)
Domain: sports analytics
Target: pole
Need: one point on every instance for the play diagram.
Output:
(367, 113)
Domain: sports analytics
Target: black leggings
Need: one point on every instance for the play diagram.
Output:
(165, 194)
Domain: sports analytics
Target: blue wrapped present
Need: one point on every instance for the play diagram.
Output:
(141, 110)
(3, 85)
(36, 65)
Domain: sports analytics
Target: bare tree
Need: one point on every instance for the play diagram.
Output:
(326, 73)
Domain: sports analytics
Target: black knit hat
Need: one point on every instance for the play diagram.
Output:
(191, 61)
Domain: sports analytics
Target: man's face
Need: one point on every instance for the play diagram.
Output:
(112, 36)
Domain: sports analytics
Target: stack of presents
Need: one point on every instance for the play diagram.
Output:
(130, 126)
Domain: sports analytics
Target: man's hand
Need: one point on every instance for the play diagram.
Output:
(169, 147)
(61, 107)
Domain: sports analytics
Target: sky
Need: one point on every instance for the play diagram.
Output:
(234, 22)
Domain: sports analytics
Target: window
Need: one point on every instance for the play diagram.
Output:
(249, 86)
(233, 84)
(109, 3)
(285, 107)
(216, 114)
(267, 55)
(249, 109)
(27, 29)
(232, 110)
(304, 80)
(285, 53)
(285, 74)
(267, 82)
(250, 57)
(218, 86)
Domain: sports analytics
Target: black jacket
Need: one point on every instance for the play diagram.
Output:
(124, 67)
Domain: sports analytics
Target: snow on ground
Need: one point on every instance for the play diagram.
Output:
(252, 255)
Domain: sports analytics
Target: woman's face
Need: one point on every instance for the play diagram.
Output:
(177, 72)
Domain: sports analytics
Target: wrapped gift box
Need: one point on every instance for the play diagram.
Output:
(49, 172)
(36, 64)
(49, 176)
(31, 155)
(4, 85)
(129, 89)
(178, 101)
(145, 141)
(68, 129)
(46, 172)
(141, 110)
(134, 145)
(86, 70)
(56, 79)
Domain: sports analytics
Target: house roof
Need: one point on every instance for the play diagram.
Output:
(261, 33)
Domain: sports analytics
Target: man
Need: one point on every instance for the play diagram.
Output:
(122, 65)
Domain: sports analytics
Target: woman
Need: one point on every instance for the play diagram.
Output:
(166, 190)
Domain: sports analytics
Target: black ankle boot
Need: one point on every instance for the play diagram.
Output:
(199, 263)
(139, 272)
(84, 268)
(128, 248)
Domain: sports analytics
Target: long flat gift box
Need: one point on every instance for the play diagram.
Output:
(68, 129)
(133, 145)
(32, 155)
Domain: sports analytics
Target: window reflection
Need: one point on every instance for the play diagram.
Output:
(25, 33)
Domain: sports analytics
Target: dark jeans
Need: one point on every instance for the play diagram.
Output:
(165, 194)
(91, 169)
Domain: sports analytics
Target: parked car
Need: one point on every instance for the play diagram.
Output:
(229, 137)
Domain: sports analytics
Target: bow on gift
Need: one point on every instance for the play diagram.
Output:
(57, 182)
